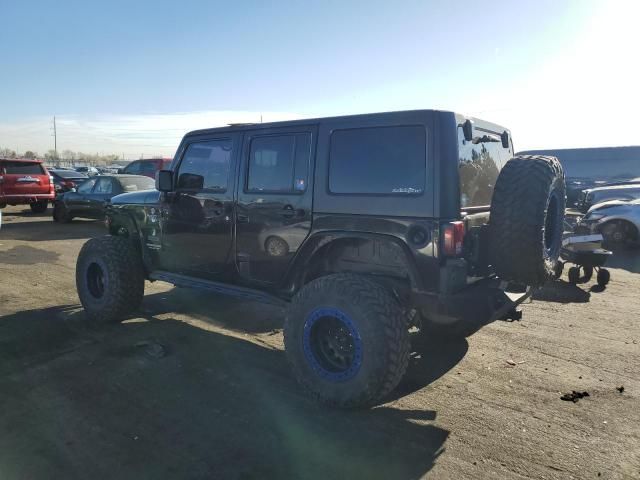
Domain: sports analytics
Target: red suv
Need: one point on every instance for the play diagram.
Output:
(25, 182)
(147, 167)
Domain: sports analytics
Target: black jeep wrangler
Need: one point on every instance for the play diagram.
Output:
(363, 226)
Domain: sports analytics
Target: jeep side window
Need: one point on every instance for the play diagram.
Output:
(279, 163)
(205, 166)
(380, 160)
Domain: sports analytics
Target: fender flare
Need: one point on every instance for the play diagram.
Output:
(294, 277)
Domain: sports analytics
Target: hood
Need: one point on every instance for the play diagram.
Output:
(612, 203)
(611, 187)
(136, 198)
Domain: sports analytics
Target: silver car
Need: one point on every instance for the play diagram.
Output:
(594, 196)
(617, 220)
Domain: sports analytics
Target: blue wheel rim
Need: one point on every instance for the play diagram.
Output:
(332, 344)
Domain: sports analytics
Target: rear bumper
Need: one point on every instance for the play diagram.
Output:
(485, 301)
(24, 199)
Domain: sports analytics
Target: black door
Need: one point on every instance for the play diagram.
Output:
(197, 217)
(77, 203)
(274, 200)
(102, 191)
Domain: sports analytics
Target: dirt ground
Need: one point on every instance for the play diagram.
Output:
(197, 386)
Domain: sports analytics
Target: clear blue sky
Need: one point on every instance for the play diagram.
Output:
(100, 64)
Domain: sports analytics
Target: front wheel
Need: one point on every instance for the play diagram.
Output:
(347, 340)
(61, 213)
(109, 278)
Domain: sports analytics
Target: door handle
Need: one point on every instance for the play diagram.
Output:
(242, 218)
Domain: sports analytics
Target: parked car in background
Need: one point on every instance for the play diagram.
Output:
(25, 182)
(594, 167)
(107, 170)
(91, 171)
(617, 220)
(147, 167)
(593, 196)
(91, 197)
(65, 180)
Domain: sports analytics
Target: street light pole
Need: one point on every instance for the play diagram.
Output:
(55, 137)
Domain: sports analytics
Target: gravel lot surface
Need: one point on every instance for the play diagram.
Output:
(197, 385)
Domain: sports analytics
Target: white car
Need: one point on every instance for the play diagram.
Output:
(617, 220)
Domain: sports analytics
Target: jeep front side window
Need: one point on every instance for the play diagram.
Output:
(205, 166)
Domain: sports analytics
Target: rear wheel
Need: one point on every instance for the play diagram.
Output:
(347, 340)
(527, 218)
(39, 207)
(109, 278)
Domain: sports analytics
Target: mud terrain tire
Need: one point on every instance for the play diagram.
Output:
(352, 311)
(527, 219)
(109, 278)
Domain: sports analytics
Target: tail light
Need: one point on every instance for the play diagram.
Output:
(452, 238)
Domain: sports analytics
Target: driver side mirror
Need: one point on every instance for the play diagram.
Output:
(164, 180)
(504, 138)
(467, 129)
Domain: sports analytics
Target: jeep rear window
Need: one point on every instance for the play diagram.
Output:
(379, 160)
(478, 168)
(23, 168)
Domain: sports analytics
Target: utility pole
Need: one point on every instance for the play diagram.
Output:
(55, 137)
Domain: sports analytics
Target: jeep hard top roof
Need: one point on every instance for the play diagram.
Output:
(234, 127)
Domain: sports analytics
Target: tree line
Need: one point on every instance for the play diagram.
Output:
(66, 156)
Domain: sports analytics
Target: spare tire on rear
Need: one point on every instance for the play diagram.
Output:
(527, 219)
